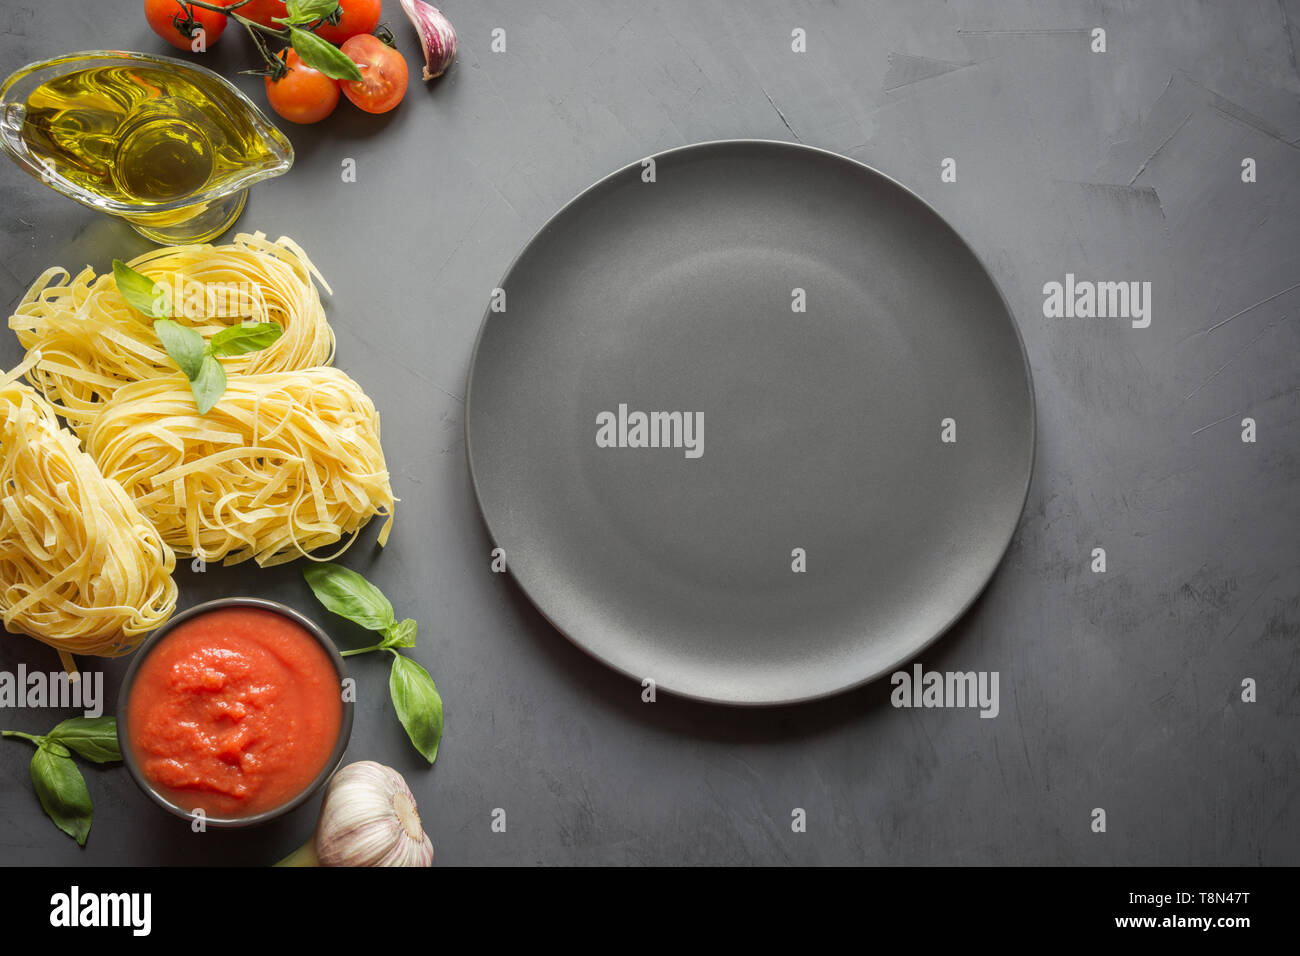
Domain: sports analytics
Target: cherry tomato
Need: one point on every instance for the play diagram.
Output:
(302, 95)
(165, 15)
(383, 74)
(359, 16)
(264, 12)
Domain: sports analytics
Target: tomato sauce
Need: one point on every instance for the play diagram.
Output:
(234, 711)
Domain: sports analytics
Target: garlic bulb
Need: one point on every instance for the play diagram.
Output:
(368, 818)
(437, 36)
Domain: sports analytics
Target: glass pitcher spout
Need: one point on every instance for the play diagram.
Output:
(170, 147)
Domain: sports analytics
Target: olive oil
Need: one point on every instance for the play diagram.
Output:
(142, 134)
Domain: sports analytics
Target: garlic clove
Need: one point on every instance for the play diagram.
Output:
(437, 36)
(369, 818)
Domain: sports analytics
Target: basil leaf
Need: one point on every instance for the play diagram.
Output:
(400, 635)
(184, 346)
(209, 384)
(62, 791)
(349, 595)
(418, 704)
(307, 11)
(94, 738)
(141, 292)
(54, 747)
(240, 339)
(323, 56)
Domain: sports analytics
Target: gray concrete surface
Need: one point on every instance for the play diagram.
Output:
(1119, 690)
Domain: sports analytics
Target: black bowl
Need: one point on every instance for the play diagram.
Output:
(124, 695)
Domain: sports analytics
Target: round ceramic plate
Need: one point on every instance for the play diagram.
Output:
(750, 421)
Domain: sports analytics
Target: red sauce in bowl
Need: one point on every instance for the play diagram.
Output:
(235, 711)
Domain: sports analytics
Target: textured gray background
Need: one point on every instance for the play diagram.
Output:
(1118, 690)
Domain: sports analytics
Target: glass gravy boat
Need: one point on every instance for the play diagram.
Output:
(168, 146)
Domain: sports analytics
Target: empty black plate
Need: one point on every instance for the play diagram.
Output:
(822, 532)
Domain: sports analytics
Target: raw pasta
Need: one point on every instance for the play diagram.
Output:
(91, 342)
(283, 464)
(80, 569)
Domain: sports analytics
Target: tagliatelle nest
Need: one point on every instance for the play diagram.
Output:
(91, 342)
(284, 463)
(80, 569)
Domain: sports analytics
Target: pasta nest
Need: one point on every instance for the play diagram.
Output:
(285, 463)
(91, 341)
(80, 568)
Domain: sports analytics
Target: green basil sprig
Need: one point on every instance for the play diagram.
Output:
(59, 784)
(184, 346)
(323, 56)
(94, 738)
(415, 696)
(141, 292)
(297, 26)
(307, 11)
(418, 704)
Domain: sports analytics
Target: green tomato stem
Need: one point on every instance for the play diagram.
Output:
(216, 9)
(282, 32)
